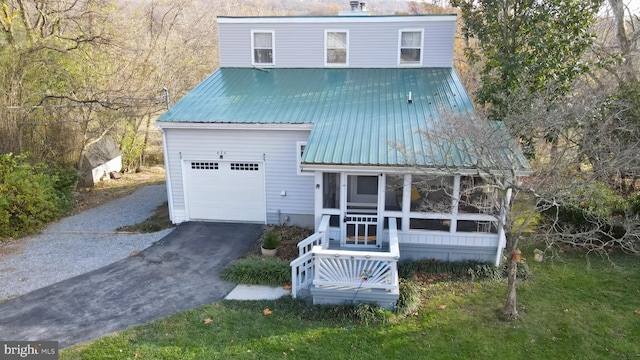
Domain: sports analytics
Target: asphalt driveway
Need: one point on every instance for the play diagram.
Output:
(179, 272)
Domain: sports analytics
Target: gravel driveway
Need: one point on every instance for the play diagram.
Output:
(81, 243)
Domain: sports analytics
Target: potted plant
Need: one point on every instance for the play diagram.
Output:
(270, 243)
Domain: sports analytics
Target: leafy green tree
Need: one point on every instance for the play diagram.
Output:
(523, 48)
(529, 52)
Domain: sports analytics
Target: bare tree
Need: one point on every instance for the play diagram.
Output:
(485, 151)
(620, 20)
(563, 181)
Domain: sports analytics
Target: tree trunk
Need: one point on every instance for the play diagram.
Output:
(627, 47)
(510, 310)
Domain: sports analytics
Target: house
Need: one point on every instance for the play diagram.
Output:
(319, 121)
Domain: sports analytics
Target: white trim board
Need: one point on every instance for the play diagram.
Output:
(335, 19)
(232, 126)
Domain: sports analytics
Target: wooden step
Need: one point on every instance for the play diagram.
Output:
(348, 295)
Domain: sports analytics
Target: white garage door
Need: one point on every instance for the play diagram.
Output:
(225, 190)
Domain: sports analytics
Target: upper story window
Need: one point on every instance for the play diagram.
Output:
(300, 147)
(262, 47)
(336, 47)
(410, 47)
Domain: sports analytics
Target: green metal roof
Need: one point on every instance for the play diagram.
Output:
(359, 116)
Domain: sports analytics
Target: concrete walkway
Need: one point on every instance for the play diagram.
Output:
(179, 272)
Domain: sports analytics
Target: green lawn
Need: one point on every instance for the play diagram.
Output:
(570, 310)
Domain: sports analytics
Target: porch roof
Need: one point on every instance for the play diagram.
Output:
(359, 116)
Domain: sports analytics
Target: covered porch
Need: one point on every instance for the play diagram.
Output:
(366, 222)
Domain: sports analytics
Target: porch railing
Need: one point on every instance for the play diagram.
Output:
(320, 238)
(363, 228)
(301, 273)
(358, 269)
(362, 270)
(302, 268)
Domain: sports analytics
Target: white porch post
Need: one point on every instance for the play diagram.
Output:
(343, 194)
(343, 206)
(453, 227)
(406, 202)
(318, 199)
(382, 190)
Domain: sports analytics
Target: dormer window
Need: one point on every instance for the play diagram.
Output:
(410, 47)
(262, 47)
(336, 47)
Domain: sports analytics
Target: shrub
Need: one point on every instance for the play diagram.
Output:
(597, 201)
(64, 184)
(434, 270)
(409, 299)
(596, 208)
(271, 240)
(131, 147)
(459, 269)
(259, 271)
(31, 195)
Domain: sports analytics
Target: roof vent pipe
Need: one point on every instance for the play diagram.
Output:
(409, 99)
(363, 6)
(354, 5)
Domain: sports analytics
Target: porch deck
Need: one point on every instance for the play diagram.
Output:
(335, 275)
(331, 273)
(335, 245)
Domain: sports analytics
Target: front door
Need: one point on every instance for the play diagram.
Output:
(360, 222)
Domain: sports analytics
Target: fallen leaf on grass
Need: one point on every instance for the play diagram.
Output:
(207, 320)
(267, 311)
(637, 312)
(442, 306)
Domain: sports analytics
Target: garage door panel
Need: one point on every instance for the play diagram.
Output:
(225, 190)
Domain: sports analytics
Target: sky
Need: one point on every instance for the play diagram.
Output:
(634, 5)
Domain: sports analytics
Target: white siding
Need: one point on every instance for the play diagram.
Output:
(417, 237)
(371, 44)
(276, 147)
(438, 43)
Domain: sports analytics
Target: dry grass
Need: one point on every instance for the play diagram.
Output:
(9, 246)
(87, 198)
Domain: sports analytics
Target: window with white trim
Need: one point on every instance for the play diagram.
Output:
(204, 165)
(336, 47)
(262, 47)
(300, 147)
(410, 52)
(244, 166)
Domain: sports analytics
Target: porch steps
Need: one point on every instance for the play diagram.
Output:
(334, 295)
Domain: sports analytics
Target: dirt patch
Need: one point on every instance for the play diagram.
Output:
(158, 221)
(9, 246)
(87, 198)
(290, 237)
